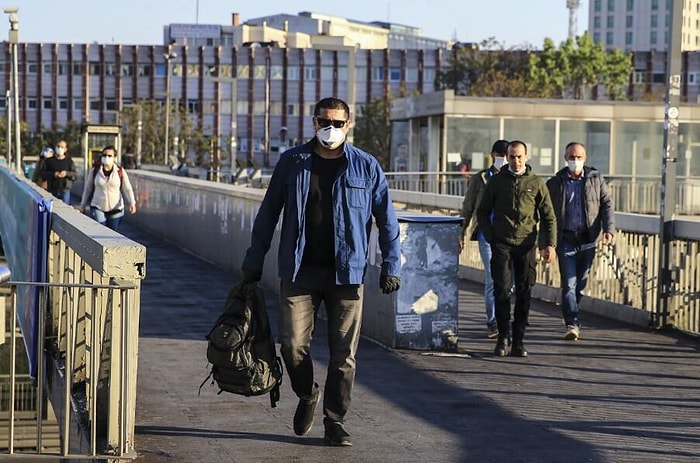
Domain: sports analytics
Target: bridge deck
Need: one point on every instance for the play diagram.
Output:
(621, 394)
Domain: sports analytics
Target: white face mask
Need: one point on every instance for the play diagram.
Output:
(108, 161)
(498, 162)
(330, 137)
(60, 151)
(575, 165)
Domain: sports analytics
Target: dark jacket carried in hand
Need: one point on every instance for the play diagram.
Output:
(519, 203)
(597, 203)
(56, 165)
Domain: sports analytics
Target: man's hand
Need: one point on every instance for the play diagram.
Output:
(249, 281)
(607, 238)
(547, 254)
(389, 283)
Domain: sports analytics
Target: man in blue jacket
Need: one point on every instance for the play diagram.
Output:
(584, 209)
(327, 191)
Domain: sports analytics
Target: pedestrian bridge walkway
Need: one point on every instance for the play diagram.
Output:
(620, 394)
(623, 393)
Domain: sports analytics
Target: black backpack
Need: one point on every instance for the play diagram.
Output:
(241, 349)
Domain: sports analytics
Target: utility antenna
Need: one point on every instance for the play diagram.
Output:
(572, 5)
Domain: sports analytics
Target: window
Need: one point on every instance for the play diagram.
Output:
(78, 104)
(596, 22)
(78, 69)
(378, 74)
(629, 21)
(630, 5)
(654, 5)
(3, 103)
(597, 5)
(395, 74)
(276, 72)
(654, 21)
(309, 73)
(110, 69)
(658, 77)
(193, 106)
(46, 103)
(32, 68)
(62, 103)
(628, 38)
(62, 68)
(31, 103)
(611, 22)
(95, 105)
(596, 37)
(144, 70)
(48, 68)
(293, 73)
(95, 69)
(653, 37)
(127, 70)
(609, 38)
(110, 105)
(611, 5)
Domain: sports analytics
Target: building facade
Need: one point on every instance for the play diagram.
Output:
(642, 25)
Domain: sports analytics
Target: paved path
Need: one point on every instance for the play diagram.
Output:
(621, 394)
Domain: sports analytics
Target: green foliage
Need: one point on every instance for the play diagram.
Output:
(570, 71)
(373, 129)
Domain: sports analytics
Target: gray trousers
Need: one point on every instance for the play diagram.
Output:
(298, 309)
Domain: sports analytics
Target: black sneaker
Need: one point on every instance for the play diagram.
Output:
(335, 434)
(304, 416)
(492, 330)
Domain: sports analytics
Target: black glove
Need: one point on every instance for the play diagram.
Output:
(389, 283)
(250, 276)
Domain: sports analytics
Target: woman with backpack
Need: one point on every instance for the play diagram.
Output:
(108, 191)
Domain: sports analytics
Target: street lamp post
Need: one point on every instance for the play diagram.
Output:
(216, 77)
(170, 55)
(14, 40)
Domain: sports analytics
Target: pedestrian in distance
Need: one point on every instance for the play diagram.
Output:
(59, 172)
(470, 228)
(515, 214)
(37, 175)
(108, 191)
(327, 191)
(584, 209)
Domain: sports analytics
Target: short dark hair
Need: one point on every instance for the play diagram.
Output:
(516, 143)
(572, 144)
(331, 103)
(109, 147)
(500, 147)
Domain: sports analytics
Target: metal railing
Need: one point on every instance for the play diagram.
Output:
(639, 195)
(87, 360)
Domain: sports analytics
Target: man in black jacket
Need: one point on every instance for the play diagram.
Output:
(59, 172)
(584, 208)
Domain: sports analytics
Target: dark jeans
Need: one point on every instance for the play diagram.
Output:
(522, 261)
(575, 260)
(299, 304)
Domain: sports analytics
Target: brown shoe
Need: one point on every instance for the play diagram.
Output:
(335, 434)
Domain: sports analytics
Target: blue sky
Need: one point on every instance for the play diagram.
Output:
(513, 22)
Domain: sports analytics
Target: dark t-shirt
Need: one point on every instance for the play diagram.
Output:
(320, 233)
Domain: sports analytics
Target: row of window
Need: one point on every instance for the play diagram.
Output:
(629, 21)
(243, 71)
(598, 5)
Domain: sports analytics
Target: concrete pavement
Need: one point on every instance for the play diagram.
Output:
(621, 394)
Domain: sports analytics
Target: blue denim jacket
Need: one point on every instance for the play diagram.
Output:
(359, 192)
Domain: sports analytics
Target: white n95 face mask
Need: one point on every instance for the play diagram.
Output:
(330, 137)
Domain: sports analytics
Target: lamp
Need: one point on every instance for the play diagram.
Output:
(13, 39)
(170, 55)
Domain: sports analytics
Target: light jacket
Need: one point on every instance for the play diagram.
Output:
(518, 204)
(107, 193)
(598, 206)
(360, 192)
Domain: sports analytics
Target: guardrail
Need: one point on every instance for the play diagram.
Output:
(637, 195)
(85, 332)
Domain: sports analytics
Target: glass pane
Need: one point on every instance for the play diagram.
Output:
(594, 135)
(538, 135)
(469, 142)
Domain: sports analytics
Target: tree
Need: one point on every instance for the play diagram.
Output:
(373, 129)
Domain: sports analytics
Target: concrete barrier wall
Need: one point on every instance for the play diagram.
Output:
(212, 221)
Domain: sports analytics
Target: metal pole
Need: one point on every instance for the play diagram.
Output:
(13, 38)
(139, 137)
(234, 121)
(266, 154)
(665, 291)
(167, 108)
(8, 140)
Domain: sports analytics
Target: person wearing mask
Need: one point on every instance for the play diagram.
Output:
(37, 175)
(515, 214)
(59, 172)
(584, 209)
(328, 192)
(472, 198)
(108, 191)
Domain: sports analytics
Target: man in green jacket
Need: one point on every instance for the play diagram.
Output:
(515, 205)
